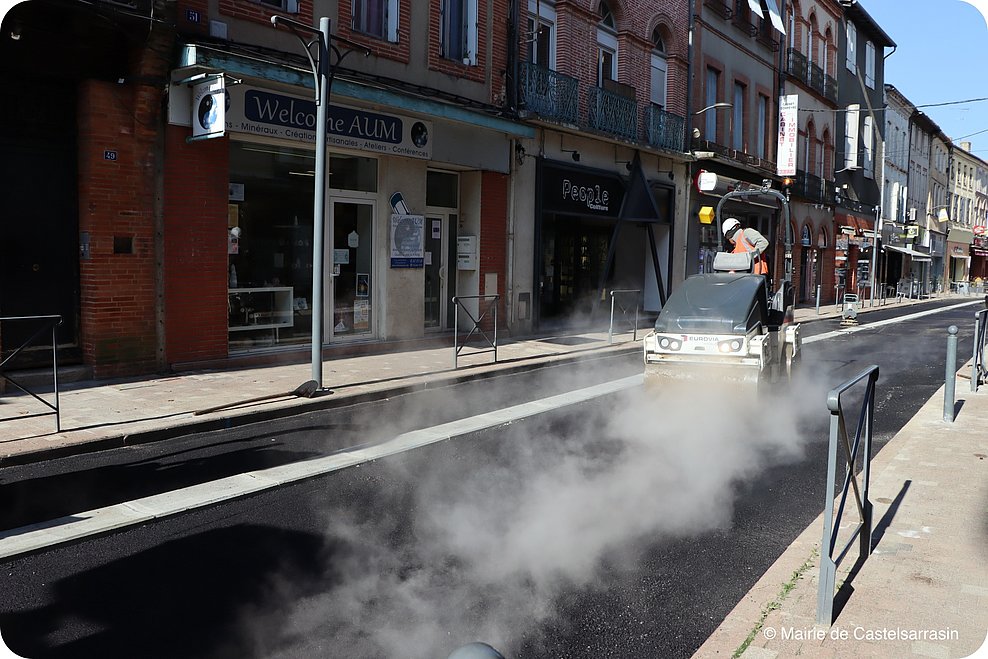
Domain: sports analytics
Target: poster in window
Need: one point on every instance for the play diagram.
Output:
(361, 314)
(407, 241)
(363, 285)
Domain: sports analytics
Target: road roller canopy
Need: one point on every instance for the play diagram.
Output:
(715, 303)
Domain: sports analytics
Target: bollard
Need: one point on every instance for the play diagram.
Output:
(975, 367)
(818, 299)
(951, 375)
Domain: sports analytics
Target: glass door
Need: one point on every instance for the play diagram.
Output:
(435, 269)
(352, 271)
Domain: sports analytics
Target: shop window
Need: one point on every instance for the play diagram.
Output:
(352, 173)
(269, 246)
(441, 190)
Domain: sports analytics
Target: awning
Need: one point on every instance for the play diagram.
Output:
(756, 8)
(958, 235)
(919, 257)
(773, 13)
(855, 222)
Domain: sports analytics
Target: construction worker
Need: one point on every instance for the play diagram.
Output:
(747, 240)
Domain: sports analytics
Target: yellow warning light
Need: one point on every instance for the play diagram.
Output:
(707, 215)
(786, 182)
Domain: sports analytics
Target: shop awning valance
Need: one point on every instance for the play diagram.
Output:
(959, 235)
(919, 257)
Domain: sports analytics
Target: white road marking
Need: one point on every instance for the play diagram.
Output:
(882, 323)
(35, 537)
(38, 536)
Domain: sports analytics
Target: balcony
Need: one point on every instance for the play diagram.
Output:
(548, 94)
(796, 64)
(664, 129)
(613, 113)
(613, 110)
(719, 7)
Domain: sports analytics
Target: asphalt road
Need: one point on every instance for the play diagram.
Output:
(624, 527)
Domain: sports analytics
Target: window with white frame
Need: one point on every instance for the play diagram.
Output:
(542, 34)
(870, 64)
(657, 91)
(377, 18)
(737, 139)
(607, 46)
(458, 34)
(868, 137)
(852, 48)
(762, 125)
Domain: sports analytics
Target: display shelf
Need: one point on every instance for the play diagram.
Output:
(261, 308)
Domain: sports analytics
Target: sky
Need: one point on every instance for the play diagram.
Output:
(941, 56)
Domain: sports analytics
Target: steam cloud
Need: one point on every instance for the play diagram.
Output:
(481, 548)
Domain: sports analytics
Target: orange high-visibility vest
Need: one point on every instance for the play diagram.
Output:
(743, 245)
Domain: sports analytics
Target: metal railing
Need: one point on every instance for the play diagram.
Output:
(457, 302)
(861, 448)
(665, 129)
(624, 309)
(979, 370)
(549, 94)
(47, 322)
(612, 113)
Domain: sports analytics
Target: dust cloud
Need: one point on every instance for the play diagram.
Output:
(482, 547)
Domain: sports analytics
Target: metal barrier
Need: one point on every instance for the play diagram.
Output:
(862, 436)
(49, 322)
(979, 371)
(477, 329)
(624, 312)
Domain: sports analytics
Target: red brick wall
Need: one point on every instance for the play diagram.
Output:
(258, 13)
(576, 46)
(195, 261)
(116, 193)
(494, 233)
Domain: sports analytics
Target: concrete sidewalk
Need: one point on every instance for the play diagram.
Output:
(924, 590)
(96, 415)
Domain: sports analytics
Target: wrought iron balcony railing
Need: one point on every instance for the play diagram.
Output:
(719, 7)
(664, 129)
(548, 94)
(796, 64)
(612, 113)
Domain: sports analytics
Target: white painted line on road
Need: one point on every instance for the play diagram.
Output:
(882, 323)
(38, 536)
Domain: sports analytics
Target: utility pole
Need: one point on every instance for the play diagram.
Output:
(323, 72)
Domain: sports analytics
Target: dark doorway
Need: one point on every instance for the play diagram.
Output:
(574, 255)
(39, 233)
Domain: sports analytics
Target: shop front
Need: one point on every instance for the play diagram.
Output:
(587, 248)
(397, 186)
(855, 238)
(959, 249)
(979, 255)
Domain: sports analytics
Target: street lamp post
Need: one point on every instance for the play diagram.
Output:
(322, 76)
(874, 252)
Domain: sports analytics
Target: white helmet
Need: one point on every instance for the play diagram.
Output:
(731, 225)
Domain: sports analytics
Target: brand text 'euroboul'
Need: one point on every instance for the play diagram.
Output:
(291, 112)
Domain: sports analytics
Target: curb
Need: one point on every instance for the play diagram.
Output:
(299, 406)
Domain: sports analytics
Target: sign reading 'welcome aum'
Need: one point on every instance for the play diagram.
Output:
(261, 112)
